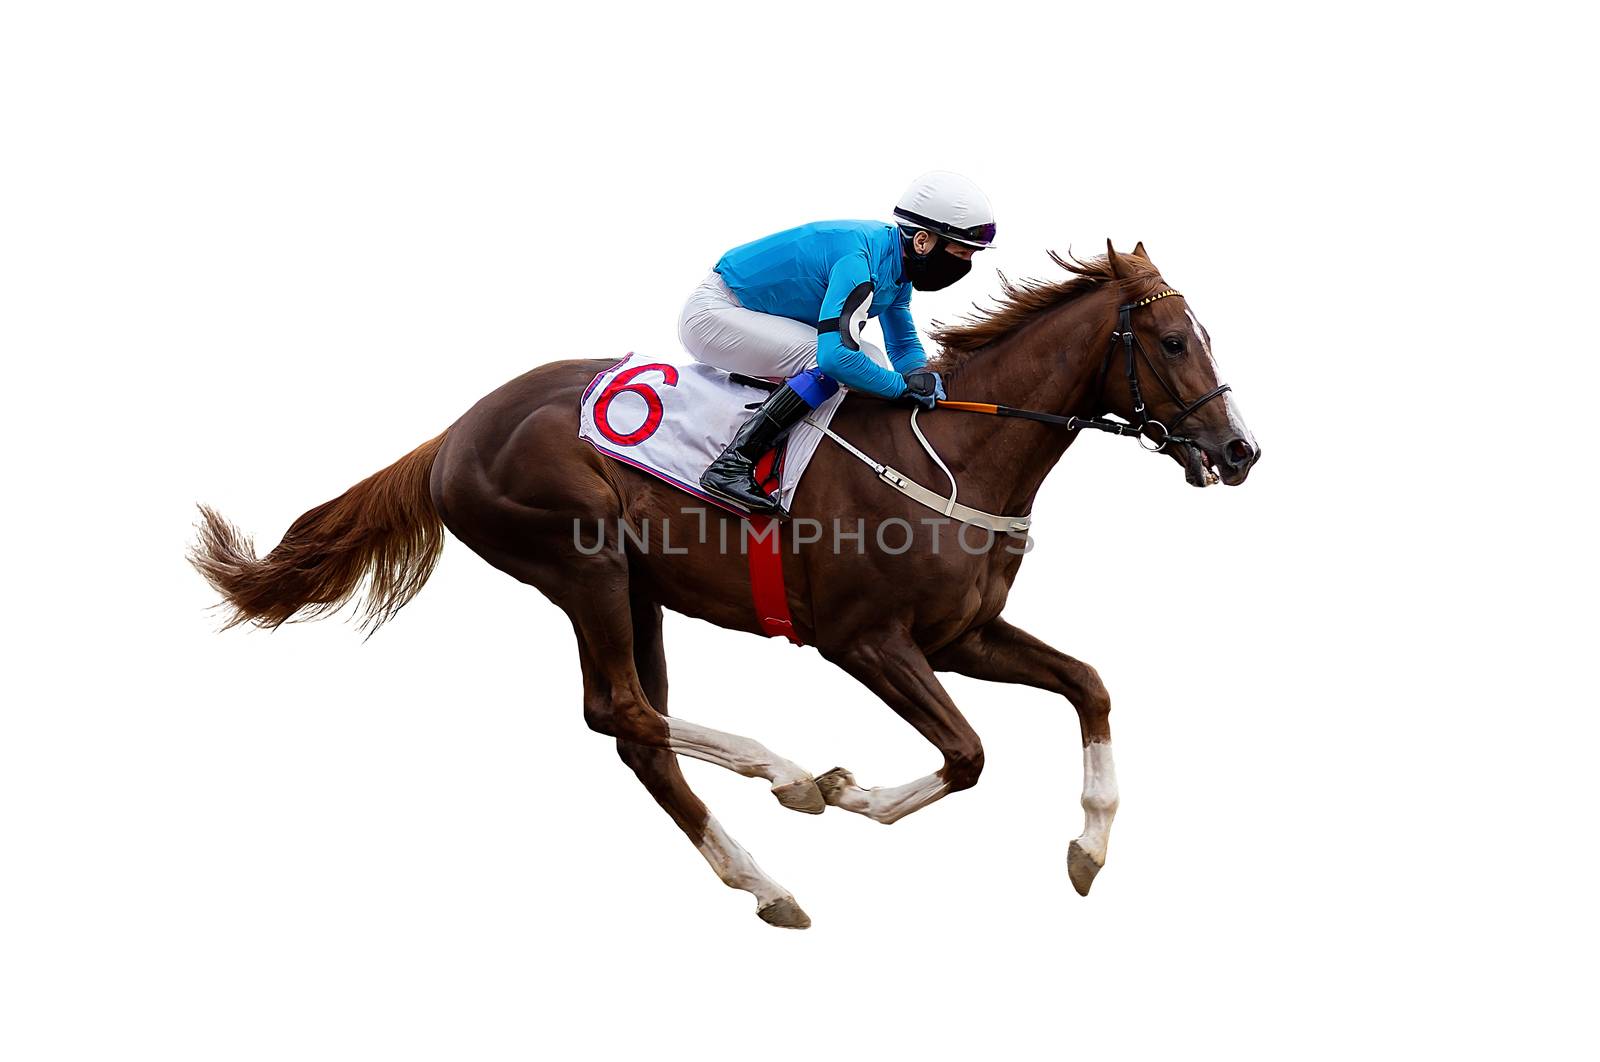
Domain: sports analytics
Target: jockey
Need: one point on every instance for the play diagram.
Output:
(794, 305)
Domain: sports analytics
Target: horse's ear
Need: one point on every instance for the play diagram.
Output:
(1113, 261)
(1139, 250)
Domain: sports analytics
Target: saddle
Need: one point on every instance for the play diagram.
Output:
(671, 417)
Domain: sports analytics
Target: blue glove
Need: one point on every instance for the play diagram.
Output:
(924, 387)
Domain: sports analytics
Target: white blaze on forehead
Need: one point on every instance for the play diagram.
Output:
(1200, 332)
(1235, 418)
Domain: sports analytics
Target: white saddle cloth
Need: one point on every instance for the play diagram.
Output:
(671, 417)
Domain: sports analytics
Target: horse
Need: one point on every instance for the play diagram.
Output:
(513, 481)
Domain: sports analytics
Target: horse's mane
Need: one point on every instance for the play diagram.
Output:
(1021, 301)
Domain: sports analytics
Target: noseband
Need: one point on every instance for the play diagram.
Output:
(1133, 350)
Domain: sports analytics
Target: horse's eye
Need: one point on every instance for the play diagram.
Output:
(1173, 345)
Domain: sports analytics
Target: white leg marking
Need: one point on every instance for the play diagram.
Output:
(739, 754)
(735, 866)
(892, 803)
(1099, 799)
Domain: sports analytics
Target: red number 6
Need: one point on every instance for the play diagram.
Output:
(622, 382)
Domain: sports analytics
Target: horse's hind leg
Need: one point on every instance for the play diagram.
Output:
(658, 770)
(615, 704)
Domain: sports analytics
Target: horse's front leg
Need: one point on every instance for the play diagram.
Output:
(894, 668)
(1000, 652)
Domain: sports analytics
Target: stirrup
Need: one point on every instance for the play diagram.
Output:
(720, 482)
(772, 507)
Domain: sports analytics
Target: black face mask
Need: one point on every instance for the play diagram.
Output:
(934, 270)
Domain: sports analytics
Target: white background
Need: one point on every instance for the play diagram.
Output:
(251, 255)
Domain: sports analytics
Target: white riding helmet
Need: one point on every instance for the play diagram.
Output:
(949, 205)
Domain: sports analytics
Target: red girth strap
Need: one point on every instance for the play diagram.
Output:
(764, 546)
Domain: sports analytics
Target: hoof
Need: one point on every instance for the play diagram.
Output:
(800, 796)
(785, 914)
(833, 783)
(1081, 868)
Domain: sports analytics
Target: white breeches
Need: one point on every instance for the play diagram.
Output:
(716, 330)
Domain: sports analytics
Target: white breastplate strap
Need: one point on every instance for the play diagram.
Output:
(1018, 525)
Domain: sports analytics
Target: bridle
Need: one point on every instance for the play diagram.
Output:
(1131, 346)
(1133, 352)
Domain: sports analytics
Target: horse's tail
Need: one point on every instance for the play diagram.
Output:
(384, 531)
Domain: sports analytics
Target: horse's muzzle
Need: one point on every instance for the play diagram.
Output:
(1237, 458)
(1207, 464)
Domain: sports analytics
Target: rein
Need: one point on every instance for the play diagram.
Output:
(945, 505)
(1134, 352)
(1136, 426)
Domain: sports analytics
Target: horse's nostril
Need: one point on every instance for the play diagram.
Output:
(1240, 453)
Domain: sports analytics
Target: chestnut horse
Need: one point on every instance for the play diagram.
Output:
(513, 480)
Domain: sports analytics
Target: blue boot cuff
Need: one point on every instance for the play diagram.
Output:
(814, 386)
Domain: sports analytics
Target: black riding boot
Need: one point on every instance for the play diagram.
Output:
(732, 476)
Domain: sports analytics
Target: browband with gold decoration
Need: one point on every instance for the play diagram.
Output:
(1148, 299)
